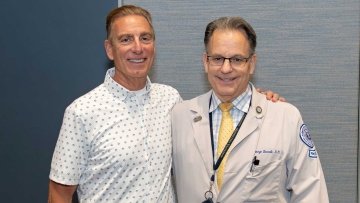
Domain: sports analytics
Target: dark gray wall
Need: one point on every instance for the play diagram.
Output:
(307, 50)
(50, 53)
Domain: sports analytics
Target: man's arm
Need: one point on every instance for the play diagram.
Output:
(59, 193)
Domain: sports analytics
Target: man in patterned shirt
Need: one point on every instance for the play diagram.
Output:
(115, 141)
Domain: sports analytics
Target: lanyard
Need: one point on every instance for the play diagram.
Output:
(208, 194)
(228, 144)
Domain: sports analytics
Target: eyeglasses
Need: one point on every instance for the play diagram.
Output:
(235, 61)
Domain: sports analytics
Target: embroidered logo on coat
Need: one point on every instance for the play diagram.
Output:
(305, 136)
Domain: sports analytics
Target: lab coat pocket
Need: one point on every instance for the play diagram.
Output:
(262, 182)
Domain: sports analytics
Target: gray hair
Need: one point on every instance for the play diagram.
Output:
(231, 23)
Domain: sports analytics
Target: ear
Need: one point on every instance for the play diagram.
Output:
(252, 64)
(109, 49)
(205, 62)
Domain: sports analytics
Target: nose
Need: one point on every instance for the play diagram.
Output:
(137, 46)
(226, 66)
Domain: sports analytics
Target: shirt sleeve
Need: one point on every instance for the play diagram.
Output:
(71, 150)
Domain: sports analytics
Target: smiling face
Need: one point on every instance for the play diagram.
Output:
(229, 82)
(132, 48)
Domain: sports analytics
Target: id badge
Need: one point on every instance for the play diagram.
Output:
(208, 201)
(208, 197)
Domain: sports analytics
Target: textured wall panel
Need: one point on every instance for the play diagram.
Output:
(307, 50)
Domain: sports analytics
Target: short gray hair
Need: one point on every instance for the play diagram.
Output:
(231, 23)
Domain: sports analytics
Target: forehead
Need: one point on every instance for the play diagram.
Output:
(131, 24)
(233, 42)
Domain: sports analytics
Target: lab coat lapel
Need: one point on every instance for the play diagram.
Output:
(201, 127)
(253, 119)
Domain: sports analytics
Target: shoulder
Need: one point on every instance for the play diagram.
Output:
(283, 112)
(274, 107)
(163, 89)
(165, 92)
(284, 107)
(88, 99)
(199, 103)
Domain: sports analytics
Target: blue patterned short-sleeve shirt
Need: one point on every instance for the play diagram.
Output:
(115, 144)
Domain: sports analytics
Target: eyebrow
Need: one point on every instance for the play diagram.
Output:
(132, 35)
(234, 56)
(147, 33)
(124, 35)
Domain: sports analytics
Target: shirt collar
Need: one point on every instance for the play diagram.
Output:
(120, 91)
(242, 102)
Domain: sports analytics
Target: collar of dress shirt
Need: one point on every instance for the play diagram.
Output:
(242, 102)
(118, 90)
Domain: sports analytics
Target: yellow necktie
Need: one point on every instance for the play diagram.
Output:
(226, 129)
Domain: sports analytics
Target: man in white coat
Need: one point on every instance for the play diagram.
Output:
(267, 155)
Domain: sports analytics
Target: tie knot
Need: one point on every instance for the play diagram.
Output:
(225, 107)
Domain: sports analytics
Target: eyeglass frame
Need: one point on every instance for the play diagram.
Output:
(242, 61)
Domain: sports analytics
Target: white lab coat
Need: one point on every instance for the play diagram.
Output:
(289, 169)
